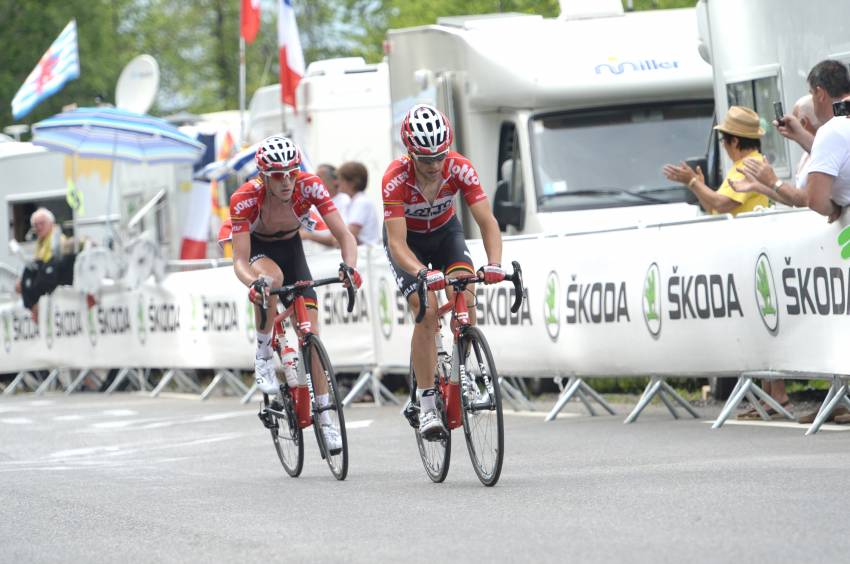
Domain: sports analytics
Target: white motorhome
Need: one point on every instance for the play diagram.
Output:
(563, 117)
(762, 51)
(35, 177)
(343, 114)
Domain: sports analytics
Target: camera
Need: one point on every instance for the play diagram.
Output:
(779, 112)
(841, 108)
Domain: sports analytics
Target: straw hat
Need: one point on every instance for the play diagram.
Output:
(741, 122)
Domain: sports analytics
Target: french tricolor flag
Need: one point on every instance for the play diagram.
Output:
(291, 55)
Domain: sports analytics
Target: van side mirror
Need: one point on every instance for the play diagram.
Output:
(507, 212)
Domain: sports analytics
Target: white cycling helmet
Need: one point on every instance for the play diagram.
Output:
(426, 131)
(277, 153)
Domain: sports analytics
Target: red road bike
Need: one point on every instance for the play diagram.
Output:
(467, 388)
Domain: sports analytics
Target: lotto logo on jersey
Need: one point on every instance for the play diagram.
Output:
(244, 205)
(465, 174)
(315, 191)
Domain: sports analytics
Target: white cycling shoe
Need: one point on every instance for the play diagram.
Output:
(264, 373)
(431, 426)
(333, 440)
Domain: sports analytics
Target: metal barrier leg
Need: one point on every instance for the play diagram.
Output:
(665, 387)
(649, 392)
(52, 377)
(572, 385)
(741, 389)
(598, 397)
(20, 379)
(186, 383)
(249, 394)
(663, 397)
(77, 382)
(358, 388)
(840, 386)
(516, 394)
(775, 405)
(228, 377)
(119, 378)
(163, 382)
(583, 399)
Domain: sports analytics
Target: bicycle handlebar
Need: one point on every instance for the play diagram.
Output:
(301, 285)
(459, 284)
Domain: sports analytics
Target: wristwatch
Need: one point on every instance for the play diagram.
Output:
(777, 185)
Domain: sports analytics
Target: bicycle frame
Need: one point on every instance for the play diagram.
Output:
(304, 331)
(450, 384)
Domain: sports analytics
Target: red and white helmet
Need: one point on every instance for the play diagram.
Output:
(426, 131)
(277, 153)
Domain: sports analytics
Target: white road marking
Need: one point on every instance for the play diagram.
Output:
(539, 413)
(68, 418)
(37, 403)
(358, 424)
(119, 412)
(784, 424)
(16, 421)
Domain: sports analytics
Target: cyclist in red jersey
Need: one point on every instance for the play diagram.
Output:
(420, 227)
(266, 214)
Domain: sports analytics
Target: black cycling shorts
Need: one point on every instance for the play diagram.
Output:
(288, 254)
(444, 249)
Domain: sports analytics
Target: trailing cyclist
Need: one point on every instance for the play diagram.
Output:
(420, 227)
(266, 214)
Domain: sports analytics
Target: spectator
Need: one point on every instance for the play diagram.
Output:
(362, 215)
(827, 188)
(741, 138)
(53, 262)
(330, 176)
(802, 117)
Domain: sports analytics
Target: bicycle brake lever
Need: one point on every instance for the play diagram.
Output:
(422, 292)
(350, 288)
(516, 278)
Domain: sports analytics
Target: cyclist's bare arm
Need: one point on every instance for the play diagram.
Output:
(397, 242)
(241, 258)
(347, 242)
(489, 227)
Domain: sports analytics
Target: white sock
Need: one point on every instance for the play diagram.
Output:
(325, 416)
(264, 345)
(426, 399)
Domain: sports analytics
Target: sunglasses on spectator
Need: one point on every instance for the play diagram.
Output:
(430, 159)
(282, 175)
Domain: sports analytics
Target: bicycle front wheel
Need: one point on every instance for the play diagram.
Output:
(336, 457)
(435, 455)
(481, 407)
(286, 435)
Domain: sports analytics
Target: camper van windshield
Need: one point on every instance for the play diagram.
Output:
(613, 156)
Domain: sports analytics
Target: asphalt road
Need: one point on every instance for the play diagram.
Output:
(92, 478)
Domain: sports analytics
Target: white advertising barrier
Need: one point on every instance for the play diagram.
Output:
(717, 295)
(711, 296)
(348, 337)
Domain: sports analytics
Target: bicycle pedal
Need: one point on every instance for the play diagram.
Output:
(266, 419)
(411, 413)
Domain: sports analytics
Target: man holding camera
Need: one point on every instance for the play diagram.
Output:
(827, 189)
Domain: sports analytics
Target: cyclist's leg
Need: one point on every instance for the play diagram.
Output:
(264, 369)
(422, 345)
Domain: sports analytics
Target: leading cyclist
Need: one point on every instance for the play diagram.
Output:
(420, 227)
(266, 214)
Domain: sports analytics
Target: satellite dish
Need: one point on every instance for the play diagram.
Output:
(138, 84)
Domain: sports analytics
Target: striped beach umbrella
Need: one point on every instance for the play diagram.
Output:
(112, 133)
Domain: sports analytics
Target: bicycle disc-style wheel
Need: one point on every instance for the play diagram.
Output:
(337, 459)
(287, 436)
(481, 407)
(435, 455)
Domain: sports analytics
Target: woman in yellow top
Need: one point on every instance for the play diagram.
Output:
(741, 138)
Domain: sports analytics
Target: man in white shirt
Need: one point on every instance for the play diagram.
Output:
(362, 213)
(827, 189)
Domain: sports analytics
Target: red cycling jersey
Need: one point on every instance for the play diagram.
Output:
(309, 191)
(403, 198)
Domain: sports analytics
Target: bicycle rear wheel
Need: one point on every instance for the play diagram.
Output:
(286, 435)
(337, 459)
(435, 455)
(481, 407)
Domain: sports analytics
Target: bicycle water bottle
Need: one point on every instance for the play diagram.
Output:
(290, 365)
